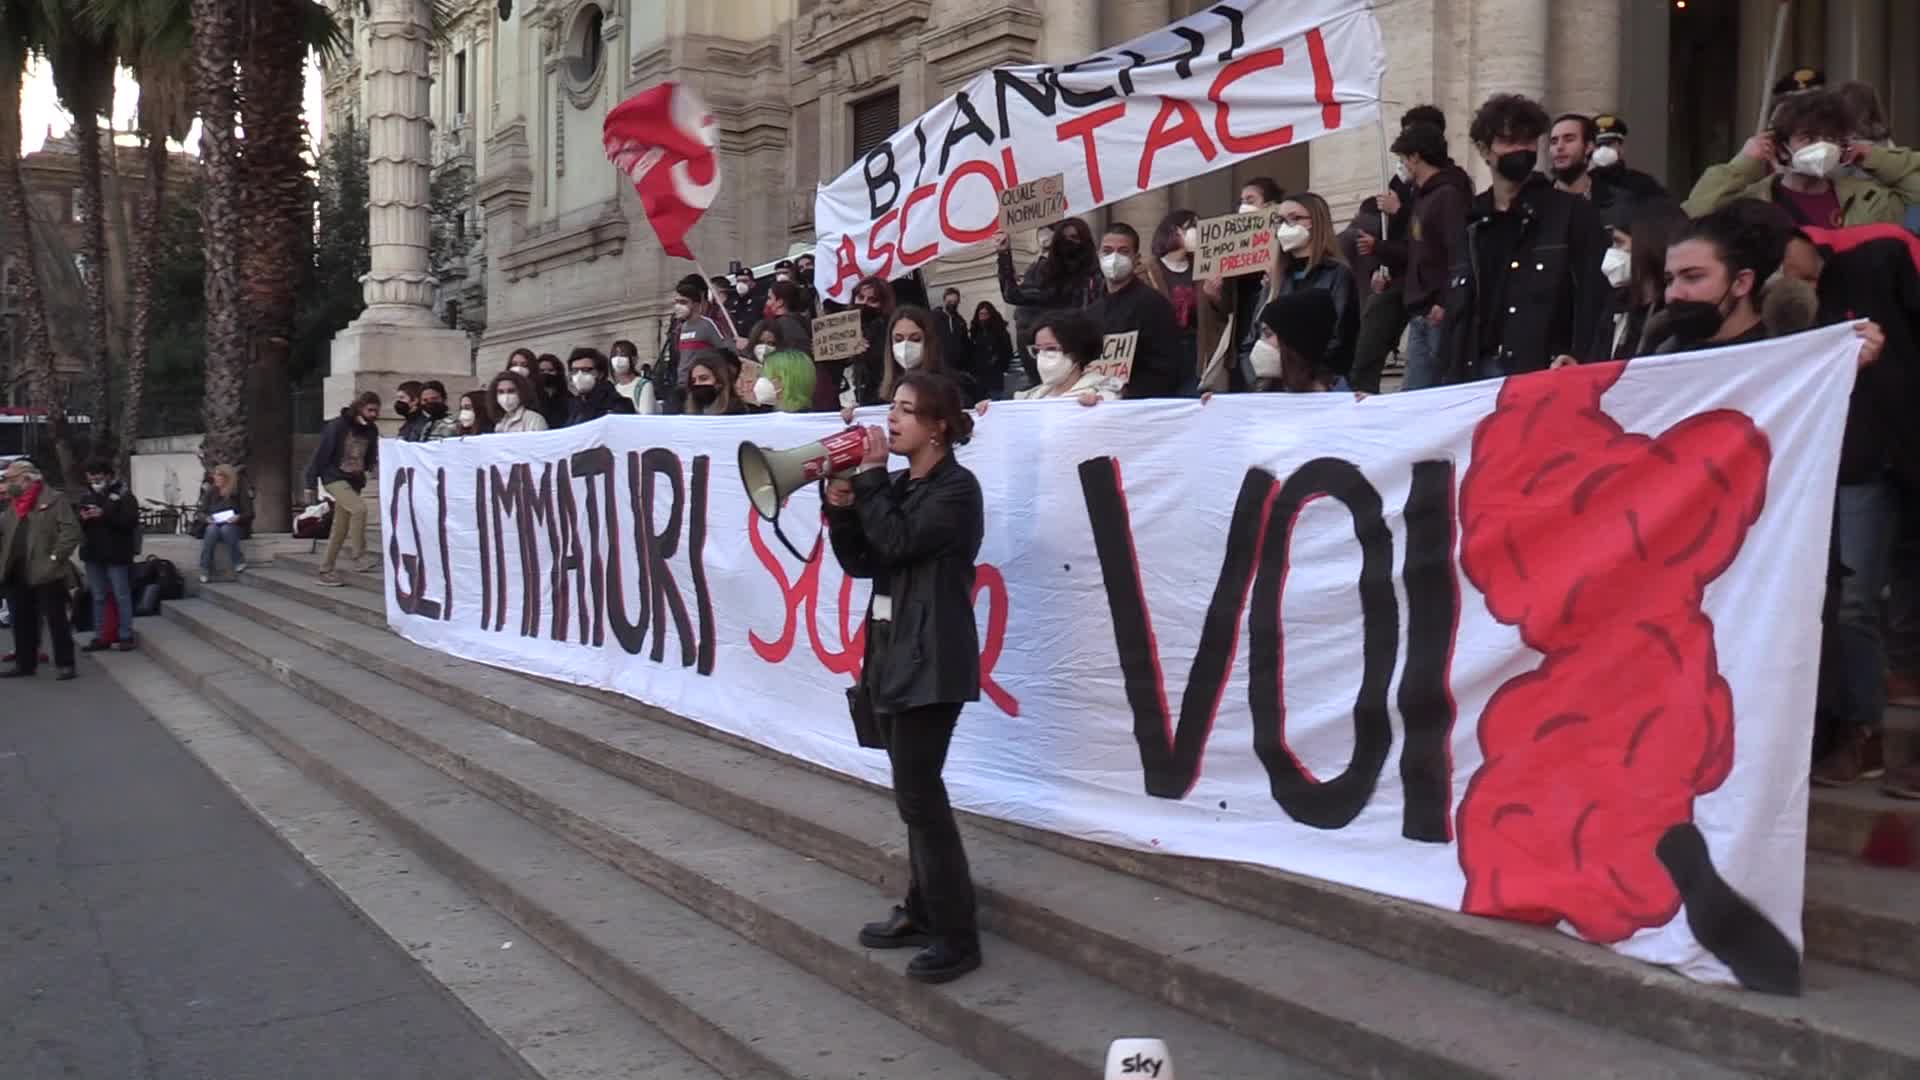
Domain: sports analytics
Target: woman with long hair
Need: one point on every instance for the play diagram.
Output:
(1066, 277)
(224, 495)
(916, 533)
(475, 415)
(1307, 256)
(992, 346)
(710, 379)
(517, 403)
(550, 380)
(1170, 272)
(843, 384)
(1653, 226)
(913, 344)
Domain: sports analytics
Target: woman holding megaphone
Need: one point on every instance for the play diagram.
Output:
(916, 534)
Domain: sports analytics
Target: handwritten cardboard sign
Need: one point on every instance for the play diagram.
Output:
(1033, 203)
(838, 336)
(1116, 358)
(1235, 244)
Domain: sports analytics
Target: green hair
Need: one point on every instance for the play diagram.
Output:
(793, 370)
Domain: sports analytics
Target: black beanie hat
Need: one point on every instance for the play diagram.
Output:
(1303, 321)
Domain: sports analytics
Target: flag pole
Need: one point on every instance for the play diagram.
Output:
(717, 303)
(1773, 62)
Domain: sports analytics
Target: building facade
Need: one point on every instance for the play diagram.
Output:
(561, 254)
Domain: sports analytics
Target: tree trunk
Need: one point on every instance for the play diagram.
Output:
(215, 38)
(153, 201)
(93, 245)
(278, 209)
(33, 348)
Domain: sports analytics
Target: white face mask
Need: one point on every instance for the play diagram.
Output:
(520, 370)
(1190, 238)
(1816, 159)
(1604, 157)
(762, 351)
(582, 381)
(907, 353)
(622, 364)
(1118, 267)
(1292, 238)
(466, 418)
(508, 402)
(1401, 171)
(742, 288)
(1247, 208)
(1054, 366)
(783, 276)
(1617, 264)
(1266, 359)
(764, 392)
(682, 310)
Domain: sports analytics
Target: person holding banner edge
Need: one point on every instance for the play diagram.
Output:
(1064, 347)
(916, 534)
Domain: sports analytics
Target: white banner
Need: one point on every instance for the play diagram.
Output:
(1542, 650)
(1237, 80)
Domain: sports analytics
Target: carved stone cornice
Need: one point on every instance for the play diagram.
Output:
(508, 183)
(604, 237)
(837, 25)
(1007, 34)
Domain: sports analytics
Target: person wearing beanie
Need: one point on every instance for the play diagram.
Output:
(1291, 353)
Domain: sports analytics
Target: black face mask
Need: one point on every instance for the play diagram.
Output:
(402, 409)
(554, 380)
(1514, 166)
(704, 396)
(436, 410)
(1693, 322)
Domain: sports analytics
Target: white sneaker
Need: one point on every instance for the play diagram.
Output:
(204, 579)
(240, 569)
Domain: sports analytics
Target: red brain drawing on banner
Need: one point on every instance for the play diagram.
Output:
(1598, 545)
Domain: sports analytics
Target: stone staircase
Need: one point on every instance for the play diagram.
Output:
(714, 887)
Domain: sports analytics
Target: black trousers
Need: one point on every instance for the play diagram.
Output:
(940, 894)
(31, 604)
(1383, 318)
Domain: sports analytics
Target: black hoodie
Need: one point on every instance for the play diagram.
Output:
(1437, 236)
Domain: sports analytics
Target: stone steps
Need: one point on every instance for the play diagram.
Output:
(1557, 1001)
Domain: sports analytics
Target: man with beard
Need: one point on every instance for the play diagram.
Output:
(1534, 288)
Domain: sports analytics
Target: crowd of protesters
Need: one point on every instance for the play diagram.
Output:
(1568, 256)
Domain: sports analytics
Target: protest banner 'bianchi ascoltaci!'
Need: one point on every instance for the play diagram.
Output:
(1237, 80)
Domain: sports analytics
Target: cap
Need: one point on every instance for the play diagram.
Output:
(1800, 79)
(1609, 127)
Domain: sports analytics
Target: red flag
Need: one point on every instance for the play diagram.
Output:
(663, 139)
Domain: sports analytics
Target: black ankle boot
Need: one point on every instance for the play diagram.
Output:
(898, 931)
(945, 960)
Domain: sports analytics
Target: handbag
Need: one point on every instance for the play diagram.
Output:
(314, 522)
(868, 731)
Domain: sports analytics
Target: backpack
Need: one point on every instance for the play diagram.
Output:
(155, 580)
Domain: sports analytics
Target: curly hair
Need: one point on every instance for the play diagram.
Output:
(1509, 116)
(1822, 113)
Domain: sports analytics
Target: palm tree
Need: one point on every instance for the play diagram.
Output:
(84, 57)
(277, 203)
(156, 38)
(216, 42)
(20, 32)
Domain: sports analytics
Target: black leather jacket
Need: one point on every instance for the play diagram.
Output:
(918, 541)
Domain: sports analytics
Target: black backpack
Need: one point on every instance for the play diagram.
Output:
(154, 580)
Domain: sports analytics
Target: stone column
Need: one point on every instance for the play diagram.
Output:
(1509, 54)
(1756, 41)
(1584, 41)
(1902, 90)
(1645, 45)
(397, 337)
(1125, 20)
(1071, 31)
(1857, 42)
